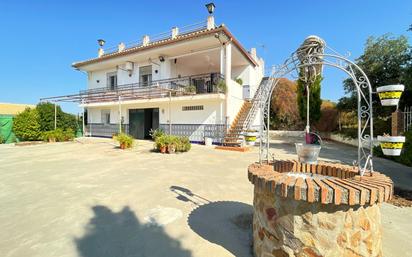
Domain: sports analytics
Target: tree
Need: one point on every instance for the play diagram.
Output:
(46, 118)
(386, 60)
(284, 113)
(26, 125)
(315, 101)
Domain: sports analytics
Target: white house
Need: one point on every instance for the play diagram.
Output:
(183, 81)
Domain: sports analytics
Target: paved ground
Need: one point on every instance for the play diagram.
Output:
(92, 200)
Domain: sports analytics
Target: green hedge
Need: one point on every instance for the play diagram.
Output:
(38, 124)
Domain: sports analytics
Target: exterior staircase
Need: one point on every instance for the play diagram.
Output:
(245, 117)
(233, 136)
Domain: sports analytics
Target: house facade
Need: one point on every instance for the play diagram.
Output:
(191, 81)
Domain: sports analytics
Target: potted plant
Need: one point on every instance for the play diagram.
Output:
(160, 143)
(250, 137)
(171, 142)
(391, 145)
(221, 86)
(390, 95)
(156, 133)
(191, 89)
(124, 140)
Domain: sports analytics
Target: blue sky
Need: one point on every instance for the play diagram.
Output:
(40, 39)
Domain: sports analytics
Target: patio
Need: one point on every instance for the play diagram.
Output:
(90, 199)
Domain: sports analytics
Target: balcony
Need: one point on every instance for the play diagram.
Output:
(210, 83)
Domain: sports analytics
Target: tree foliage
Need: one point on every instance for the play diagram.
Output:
(46, 118)
(386, 60)
(32, 124)
(284, 110)
(315, 101)
(26, 125)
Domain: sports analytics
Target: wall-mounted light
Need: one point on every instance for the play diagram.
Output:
(161, 58)
(210, 7)
(101, 42)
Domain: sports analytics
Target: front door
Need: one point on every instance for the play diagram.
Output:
(141, 121)
(136, 123)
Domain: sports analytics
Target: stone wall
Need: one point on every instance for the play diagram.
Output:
(286, 227)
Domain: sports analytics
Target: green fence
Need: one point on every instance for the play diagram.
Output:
(6, 126)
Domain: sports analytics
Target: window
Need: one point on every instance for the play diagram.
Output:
(112, 80)
(192, 108)
(106, 117)
(145, 74)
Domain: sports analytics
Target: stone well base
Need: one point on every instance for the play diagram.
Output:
(323, 209)
(286, 227)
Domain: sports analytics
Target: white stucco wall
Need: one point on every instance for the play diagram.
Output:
(212, 113)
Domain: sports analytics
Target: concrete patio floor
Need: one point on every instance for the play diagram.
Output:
(91, 199)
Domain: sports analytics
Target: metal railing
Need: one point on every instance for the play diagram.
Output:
(160, 36)
(210, 83)
(407, 118)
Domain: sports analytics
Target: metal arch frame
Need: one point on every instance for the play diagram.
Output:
(364, 96)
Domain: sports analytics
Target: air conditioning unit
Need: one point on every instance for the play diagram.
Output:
(128, 66)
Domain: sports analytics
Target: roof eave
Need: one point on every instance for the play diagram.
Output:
(78, 65)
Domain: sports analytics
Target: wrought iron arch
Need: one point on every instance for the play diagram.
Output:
(311, 59)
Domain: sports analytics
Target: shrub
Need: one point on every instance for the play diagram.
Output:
(2, 140)
(58, 135)
(124, 140)
(26, 125)
(239, 81)
(160, 142)
(156, 133)
(46, 118)
(183, 144)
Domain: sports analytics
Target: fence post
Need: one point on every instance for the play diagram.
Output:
(397, 123)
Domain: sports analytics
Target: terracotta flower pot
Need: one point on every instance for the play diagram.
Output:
(171, 148)
(162, 149)
(391, 146)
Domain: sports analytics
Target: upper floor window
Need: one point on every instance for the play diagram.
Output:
(145, 74)
(112, 80)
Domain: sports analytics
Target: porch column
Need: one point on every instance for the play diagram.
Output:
(222, 60)
(228, 72)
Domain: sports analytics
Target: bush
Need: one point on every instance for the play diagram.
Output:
(156, 133)
(46, 118)
(2, 140)
(58, 135)
(26, 125)
(182, 144)
(124, 140)
(239, 81)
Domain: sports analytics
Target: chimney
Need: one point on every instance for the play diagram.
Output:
(210, 22)
(146, 40)
(175, 32)
(100, 52)
(121, 47)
